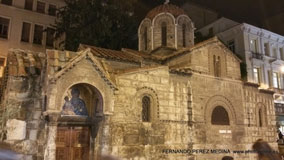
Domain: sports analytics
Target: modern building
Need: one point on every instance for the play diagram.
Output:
(261, 50)
(171, 100)
(27, 24)
(200, 15)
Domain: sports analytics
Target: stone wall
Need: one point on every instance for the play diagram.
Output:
(134, 139)
(25, 97)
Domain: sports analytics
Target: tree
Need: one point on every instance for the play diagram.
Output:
(109, 24)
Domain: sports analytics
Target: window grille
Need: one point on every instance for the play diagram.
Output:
(146, 102)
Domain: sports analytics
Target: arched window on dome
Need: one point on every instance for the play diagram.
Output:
(146, 104)
(164, 34)
(145, 38)
(220, 116)
(184, 35)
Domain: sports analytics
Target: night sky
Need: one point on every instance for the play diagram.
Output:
(267, 14)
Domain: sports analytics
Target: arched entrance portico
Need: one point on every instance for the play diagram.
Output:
(78, 122)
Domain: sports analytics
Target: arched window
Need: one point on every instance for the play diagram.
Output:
(146, 103)
(217, 66)
(145, 39)
(183, 35)
(220, 116)
(164, 34)
(260, 118)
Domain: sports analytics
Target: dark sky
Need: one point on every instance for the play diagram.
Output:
(268, 14)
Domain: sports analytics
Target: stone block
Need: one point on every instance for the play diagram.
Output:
(164, 80)
(33, 134)
(36, 115)
(131, 139)
(16, 129)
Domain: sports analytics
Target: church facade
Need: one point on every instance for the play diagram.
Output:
(170, 100)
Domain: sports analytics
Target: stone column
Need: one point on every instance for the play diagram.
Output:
(50, 150)
(105, 149)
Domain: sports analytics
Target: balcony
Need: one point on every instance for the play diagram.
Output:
(257, 55)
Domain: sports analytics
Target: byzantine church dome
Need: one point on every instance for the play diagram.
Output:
(165, 26)
(168, 8)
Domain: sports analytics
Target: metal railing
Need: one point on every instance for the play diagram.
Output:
(257, 55)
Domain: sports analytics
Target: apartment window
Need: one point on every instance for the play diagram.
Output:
(266, 49)
(7, 2)
(29, 4)
(40, 7)
(4, 27)
(256, 74)
(26, 32)
(281, 51)
(50, 36)
(231, 45)
(275, 77)
(52, 10)
(164, 34)
(253, 45)
(274, 53)
(38, 32)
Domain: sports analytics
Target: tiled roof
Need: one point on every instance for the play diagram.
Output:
(173, 9)
(111, 54)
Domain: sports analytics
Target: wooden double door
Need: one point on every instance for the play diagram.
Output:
(72, 143)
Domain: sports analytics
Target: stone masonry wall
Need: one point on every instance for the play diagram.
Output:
(168, 129)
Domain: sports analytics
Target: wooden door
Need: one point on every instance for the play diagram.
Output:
(72, 143)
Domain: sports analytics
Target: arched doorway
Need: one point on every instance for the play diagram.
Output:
(79, 122)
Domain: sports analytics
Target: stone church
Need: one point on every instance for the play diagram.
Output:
(171, 100)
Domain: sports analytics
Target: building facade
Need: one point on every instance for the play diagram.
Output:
(261, 50)
(172, 99)
(27, 24)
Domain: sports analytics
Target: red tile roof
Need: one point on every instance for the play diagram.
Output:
(111, 54)
(173, 9)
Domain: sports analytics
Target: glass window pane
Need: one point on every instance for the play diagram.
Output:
(50, 36)
(52, 10)
(29, 4)
(4, 27)
(38, 31)
(275, 80)
(7, 2)
(26, 32)
(40, 7)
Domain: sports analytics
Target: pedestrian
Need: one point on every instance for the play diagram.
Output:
(264, 151)
(280, 135)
